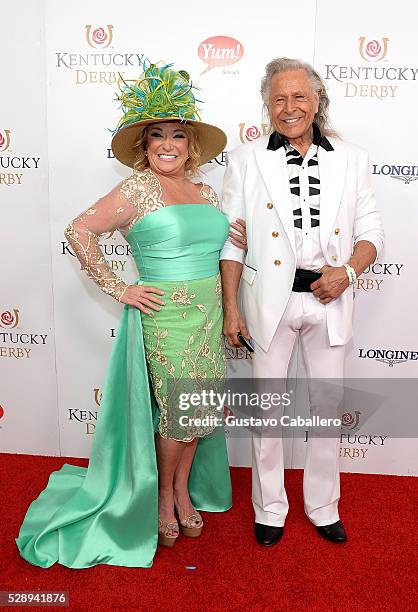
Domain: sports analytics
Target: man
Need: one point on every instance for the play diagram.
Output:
(312, 228)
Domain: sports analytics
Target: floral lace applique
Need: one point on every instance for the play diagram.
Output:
(143, 190)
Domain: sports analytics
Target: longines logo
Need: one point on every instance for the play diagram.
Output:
(252, 132)
(99, 67)
(389, 357)
(407, 174)
(9, 319)
(87, 417)
(13, 162)
(99, 38)
(382, 271)
(378, 79)
(220, 51)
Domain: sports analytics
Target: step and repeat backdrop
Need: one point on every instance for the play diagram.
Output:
(61, 63)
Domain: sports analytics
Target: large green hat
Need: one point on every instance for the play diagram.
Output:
(161, 94)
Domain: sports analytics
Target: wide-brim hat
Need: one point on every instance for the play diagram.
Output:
(159, 95)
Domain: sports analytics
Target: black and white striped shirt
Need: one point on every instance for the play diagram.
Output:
(305, 190)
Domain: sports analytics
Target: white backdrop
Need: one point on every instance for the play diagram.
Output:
(60, 63)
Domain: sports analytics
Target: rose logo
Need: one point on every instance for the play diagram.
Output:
(373, 50)
(251, 133)
(99, 37)
(9, 319)
(347, 419)
(4, 140)
(350, 420)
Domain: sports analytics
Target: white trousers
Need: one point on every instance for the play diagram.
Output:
(306, 316)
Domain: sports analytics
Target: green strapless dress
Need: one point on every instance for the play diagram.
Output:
(108, 513)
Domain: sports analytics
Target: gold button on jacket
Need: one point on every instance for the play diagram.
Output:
(337, 231)
(270, 205)
(274, 234)
(277, 262)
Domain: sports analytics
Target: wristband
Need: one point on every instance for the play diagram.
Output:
(351, 273)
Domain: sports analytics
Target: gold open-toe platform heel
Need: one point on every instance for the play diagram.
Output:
(192, 525)
(164, 536)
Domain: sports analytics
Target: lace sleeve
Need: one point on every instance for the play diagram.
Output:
(111, 212)
(210, 194)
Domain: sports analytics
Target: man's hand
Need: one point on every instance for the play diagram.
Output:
(333, 282)
(234, 323)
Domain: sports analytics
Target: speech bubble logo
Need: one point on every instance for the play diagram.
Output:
(220, 51)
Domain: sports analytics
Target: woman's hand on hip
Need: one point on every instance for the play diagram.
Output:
(143, 298)
(239, 240)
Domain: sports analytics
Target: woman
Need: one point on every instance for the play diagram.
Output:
(170, 331)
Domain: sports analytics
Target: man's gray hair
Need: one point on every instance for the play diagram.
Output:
(284, 64)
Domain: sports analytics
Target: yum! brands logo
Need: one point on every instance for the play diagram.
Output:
(373, 50)
(100, 37)
(220, 51)
(4, 140)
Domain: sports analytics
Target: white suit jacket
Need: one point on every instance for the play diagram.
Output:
(256, 188)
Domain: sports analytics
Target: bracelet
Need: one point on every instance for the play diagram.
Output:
(351, 273)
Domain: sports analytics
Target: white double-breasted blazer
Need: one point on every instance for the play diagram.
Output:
(256, 188)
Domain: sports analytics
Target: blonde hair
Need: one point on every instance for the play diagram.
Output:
(285, 64)
(192, 164)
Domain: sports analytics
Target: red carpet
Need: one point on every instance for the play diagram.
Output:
(375, 570)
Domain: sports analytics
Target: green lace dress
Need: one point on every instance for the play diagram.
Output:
(108, 512)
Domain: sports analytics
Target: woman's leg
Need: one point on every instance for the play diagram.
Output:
(169, 453)
(181, 478)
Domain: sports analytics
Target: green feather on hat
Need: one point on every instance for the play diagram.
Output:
(161, 94)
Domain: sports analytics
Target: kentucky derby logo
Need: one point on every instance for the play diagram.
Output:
(220, 51)
(236, 352)
(252, 132)
(350, 420)
(4, 140)
(99, 38)
(373, 50)
(9, 319)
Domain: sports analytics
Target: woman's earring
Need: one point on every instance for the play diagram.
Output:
(146, 153)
